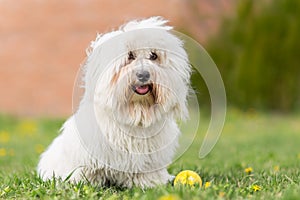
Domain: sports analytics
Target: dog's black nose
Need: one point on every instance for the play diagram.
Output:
(143, 75)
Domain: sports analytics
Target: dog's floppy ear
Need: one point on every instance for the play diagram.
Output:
(183, 67)
(181, 111)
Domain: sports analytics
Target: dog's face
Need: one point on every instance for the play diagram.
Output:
(145, 78)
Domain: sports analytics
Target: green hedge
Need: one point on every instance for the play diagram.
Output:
(258, 54)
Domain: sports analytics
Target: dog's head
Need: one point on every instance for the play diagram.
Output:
(139, 73)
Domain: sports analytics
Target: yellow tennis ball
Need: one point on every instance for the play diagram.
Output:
(188, 177)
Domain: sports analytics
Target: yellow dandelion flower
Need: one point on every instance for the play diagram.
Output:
(4, 137)
(39, 148)
(248, 170)
(3, 152)
(207, 184)
(298, 156)
(221, 194)
(256, 188)
(169, 197)
(28, 128)
(276, 168)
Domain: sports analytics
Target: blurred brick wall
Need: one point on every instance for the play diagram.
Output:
(43, 42)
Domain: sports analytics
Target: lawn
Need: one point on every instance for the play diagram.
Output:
(256, 157)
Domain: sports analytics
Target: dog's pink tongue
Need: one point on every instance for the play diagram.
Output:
(142, 89)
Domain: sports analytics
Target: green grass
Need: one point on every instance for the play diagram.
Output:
(268, 143)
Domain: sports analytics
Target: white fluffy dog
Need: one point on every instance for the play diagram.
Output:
(124, 133)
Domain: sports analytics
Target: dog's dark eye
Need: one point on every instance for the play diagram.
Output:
(130, 56)
(153, 56)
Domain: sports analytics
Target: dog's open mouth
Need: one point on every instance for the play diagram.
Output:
(142, 89)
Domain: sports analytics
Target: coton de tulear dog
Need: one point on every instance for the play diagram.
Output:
(124, 133)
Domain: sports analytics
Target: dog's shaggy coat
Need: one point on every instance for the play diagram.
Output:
(136, 82)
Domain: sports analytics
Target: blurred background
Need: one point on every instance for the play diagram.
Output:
(255, 45)
(43, 43)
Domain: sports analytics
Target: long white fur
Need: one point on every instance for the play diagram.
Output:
(112, 139)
